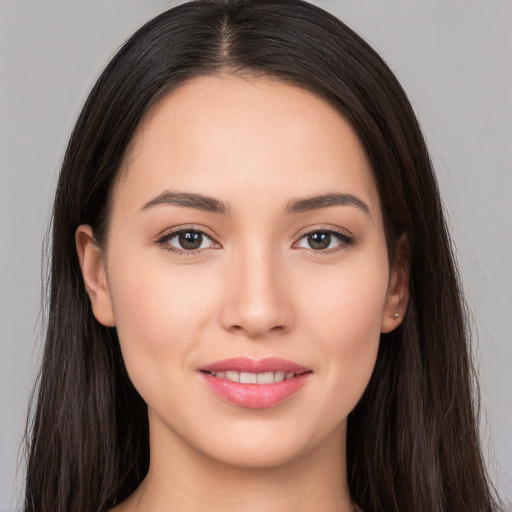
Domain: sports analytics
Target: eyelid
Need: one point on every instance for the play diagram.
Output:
(172, 232)
(344, 236)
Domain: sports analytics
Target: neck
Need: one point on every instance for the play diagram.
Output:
(183, 479)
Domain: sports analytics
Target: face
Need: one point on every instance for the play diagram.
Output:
(246, 236)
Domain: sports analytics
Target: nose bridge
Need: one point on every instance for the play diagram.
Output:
(257, 302)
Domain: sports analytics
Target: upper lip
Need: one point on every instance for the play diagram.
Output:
(244, 364)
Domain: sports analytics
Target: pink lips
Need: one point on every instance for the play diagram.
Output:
(255, 395)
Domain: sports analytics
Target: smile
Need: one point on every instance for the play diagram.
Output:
(255, 384)
(254, 378)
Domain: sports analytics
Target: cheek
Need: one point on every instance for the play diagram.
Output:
(346, 301)
(160, 309)
(343, 314)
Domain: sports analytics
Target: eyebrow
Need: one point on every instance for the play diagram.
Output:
(188, 200)
(325, 201)
(212, 205)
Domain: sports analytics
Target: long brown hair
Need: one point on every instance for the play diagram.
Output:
(412, 441)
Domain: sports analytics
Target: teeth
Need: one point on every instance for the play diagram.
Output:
(247, 378)
(265, 378)
(234, 376)
(254, 378)
(279, 376)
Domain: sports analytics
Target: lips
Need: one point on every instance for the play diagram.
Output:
(255, 383)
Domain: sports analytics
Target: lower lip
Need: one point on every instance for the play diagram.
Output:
(255, 396)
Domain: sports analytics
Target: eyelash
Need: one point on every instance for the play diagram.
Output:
(344, 240)
(163, 241)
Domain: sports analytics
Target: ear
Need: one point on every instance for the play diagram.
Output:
(398, 288)
(92, 263)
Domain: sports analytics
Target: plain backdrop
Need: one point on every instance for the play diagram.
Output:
(453, 59)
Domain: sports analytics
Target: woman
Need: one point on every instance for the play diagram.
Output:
(253, 301)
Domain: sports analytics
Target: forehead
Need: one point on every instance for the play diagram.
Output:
(214, 135)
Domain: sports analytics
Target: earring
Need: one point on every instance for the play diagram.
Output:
(396, 316)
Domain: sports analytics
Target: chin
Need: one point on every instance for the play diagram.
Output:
(264, 447)
(256, 455)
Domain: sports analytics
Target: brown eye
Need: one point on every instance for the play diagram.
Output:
(190, 240)
(186, 240)
(324, 240)
(319, 240)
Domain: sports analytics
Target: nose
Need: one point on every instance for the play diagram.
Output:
(257, 302)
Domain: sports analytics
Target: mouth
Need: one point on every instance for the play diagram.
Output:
(241, 365)
(255, 383)
(255, 378)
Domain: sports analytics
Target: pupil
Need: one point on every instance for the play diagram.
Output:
(319, 240)
(190, 240)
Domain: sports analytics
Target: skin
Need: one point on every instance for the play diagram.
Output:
(255, 288)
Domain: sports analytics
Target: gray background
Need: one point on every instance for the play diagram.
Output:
(452, 57)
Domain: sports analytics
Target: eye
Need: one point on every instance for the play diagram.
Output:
(323, 240)
(186, 240)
